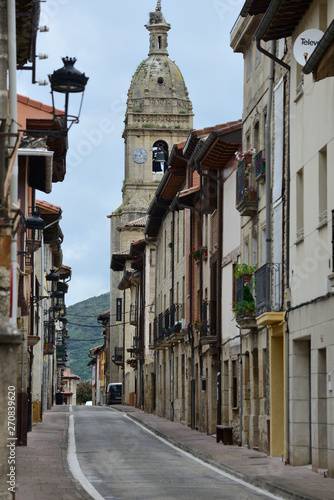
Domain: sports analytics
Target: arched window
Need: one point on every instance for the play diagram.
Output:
(159, 157)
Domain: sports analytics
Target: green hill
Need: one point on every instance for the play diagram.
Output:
(84, 332)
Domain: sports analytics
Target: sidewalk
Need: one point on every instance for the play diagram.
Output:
(43, 474)
(251, 466)
(42, 471)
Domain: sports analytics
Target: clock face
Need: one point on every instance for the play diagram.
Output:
(139, 155)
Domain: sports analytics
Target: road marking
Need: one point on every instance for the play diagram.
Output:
(73, 462)
(211, 467)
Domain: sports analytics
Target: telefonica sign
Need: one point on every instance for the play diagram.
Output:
(305, 44)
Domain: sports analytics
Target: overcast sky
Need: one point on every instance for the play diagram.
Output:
(109, 40)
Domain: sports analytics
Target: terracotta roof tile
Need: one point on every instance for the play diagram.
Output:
(37, 104)
(48, 206)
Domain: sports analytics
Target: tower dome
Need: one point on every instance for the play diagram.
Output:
(158, 85)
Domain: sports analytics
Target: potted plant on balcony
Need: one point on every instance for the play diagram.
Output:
(247, 154)
(201, 250)
(198, 324)
(178, 327)
(243, 270)
(250, 192)
(131, 362)
(245, 308)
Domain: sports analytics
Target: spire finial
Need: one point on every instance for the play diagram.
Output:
(158, 7)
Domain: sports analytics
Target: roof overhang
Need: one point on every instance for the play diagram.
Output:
(220, 147)
(188, 198)
(40, 168)
(254, 7)
(129, 279)
(55, 142)
(118, 260)
(321, 61)
(281, 19)
(51, 214)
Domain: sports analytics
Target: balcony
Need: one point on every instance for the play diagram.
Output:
(166, 329)
(260, 167)
(117, 358)
(247, 198)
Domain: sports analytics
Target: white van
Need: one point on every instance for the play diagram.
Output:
(114, 393)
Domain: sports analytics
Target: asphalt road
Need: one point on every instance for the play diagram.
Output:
(122, 460)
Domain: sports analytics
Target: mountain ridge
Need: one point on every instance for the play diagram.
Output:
(84, 332)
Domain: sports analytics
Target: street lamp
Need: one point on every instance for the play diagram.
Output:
(67, 80)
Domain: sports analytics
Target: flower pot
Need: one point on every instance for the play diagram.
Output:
(250, 196)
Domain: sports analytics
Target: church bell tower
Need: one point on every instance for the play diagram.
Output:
(158, 114)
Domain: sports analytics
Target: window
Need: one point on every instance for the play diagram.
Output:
(300, 206)
(322, 187)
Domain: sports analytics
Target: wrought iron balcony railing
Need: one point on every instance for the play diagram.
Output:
(269, 288)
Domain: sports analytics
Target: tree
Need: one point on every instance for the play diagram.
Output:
(84, 392)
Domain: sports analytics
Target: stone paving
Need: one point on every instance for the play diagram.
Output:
(43, 474)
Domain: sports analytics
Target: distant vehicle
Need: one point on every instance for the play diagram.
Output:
(89, 403)
(114, 393)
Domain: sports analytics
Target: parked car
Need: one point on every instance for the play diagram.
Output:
(89, 403)
(114, 393)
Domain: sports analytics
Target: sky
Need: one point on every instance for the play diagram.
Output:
(109, 40)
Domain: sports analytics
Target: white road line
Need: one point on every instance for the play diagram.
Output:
(73, 462)
(218, 471)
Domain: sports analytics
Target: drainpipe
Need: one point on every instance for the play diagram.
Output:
(11, 16)
(268, 163)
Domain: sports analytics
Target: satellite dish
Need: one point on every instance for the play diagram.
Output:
(305, 44)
